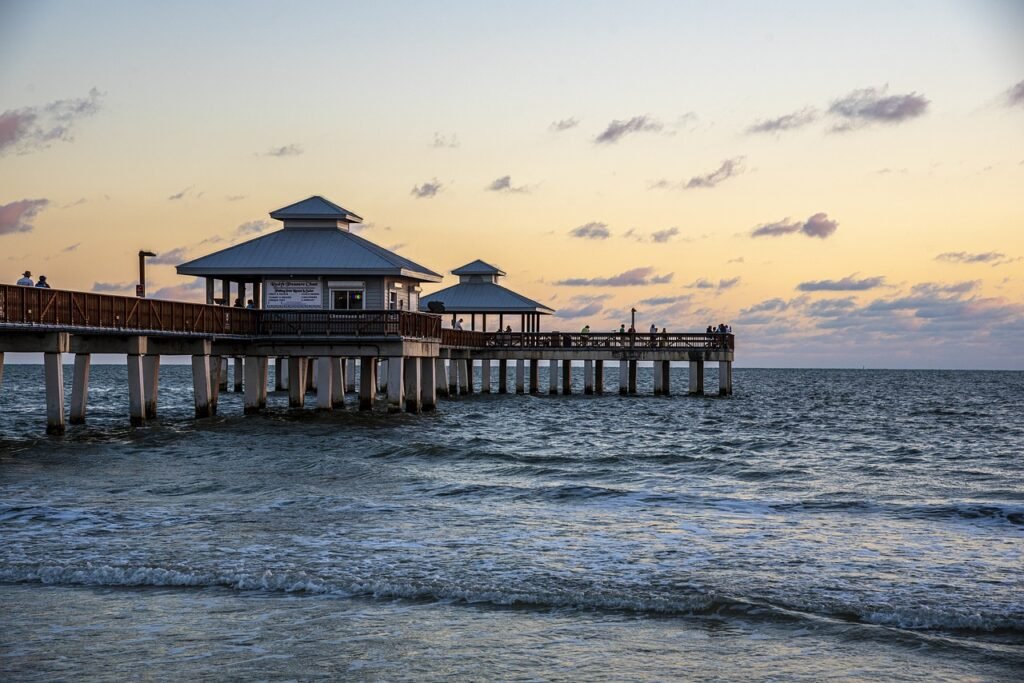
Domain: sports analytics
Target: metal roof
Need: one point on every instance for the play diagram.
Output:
(315, 208)
(312, 251)
(478, 267)
(483, 297)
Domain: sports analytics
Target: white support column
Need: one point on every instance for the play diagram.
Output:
(588, 376)
(264, 369)
(324, 384)
(599, 376)
(567, 377)
(466, 375)
(724, 378)
(413, 399)
(350, 375)
(428, 383)
(441, 377)
(296, 381)
(136, 390)
(453, 377)
(223, 373)
(696, 386)
(520, 376)
(202, 384)
(632, 376)
(239, 373)
(338, 382)
(80, 388)
(367, 382)
(666, 378)
(623, 377)
(251, 400)
(656, 375)
(485, 375)
(217, 369)
(280, 376)
(54, 371)
(151, 383)
(396, 387)
(552, 376)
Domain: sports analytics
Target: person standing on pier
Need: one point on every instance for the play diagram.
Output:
(654, 334)
(42, 282)
(458, 325)
(26, 279)
(585, 335)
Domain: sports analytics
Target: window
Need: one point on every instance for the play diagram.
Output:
(347, 299)
(392, 300)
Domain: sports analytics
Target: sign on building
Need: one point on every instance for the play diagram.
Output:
(294, 294)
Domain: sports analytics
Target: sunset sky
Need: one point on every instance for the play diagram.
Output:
(842, 182)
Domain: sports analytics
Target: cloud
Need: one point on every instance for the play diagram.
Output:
(872, 105)
(665, 300)
(71, 247)
(112, 286)
(766, 306)
(1015, 96)
(591, 231)
(629, 278)
(17, 216)
(235, 197)
(189, 291)
(252, 227)
(738, 259)
(446, 141)
(662, 236)
(728, 169)
(703, 283)
(33, 128)
(179, 195)
(292, 150)
(616, 130)
(564, 124)
(819, 225)
(848, 284)
(504, 184)
(396, 246)
(170, 257)
(995, 258)
(797, 119)
(582, 306)
(427, 190)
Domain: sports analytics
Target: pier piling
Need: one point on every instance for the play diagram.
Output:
(566, 377)
(413, 397)
(588, 376)
(520, 376)
(324, 383)
(623, 377)
(296, 381)
(599, 376)
(696, 385)
(136, 381)
(396, 386)
(150, 383)
(202, 384)
(534, 376)
(502, 376)
(552, 376)
(367, 383)
(485, 375)
(428, 384)
(337, 382)
(80, 388)
(54, 371)
(251, 396)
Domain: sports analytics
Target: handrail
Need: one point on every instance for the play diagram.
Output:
(36, 306)
(595, 341)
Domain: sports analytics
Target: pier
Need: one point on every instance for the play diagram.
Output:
(341, 319)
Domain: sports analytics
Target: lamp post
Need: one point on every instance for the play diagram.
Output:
(140, 289)
(632, 319)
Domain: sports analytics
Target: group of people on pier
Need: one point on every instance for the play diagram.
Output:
(26, 281)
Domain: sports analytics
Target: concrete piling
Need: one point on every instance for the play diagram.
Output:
(696, 384)
(297, 366)
(428, 383)
(440, 377)
(534, 376)
(724, 378)
(632, 377)
(150, 383)
(520, 376)
(396, 384)
(588, 376)
(413, 395)
(251, 388)
(552, 376)
(350, 375)
(465, 375)
(324, 384)
(367, 383)
(136, 381)
(80, 388)
(623, 377)
(453, 376)
(54, 370)
(338, 382)
(599, 376)
(502, 376)
(202, 384)
(485, 376)
(566, 377)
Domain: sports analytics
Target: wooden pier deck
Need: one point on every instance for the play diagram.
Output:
(405, 354)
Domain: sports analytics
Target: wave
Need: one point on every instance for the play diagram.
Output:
(686, 600)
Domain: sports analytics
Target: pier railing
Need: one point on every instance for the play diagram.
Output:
(35, 307)
(350, 324)
(56, 308)
(596, 341)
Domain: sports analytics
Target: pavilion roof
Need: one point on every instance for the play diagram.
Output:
(483, 297)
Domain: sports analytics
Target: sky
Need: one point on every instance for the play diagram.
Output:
(841, 182)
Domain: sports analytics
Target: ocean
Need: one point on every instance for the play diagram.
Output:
(819, 524)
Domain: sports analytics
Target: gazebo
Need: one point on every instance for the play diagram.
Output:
(478, 293)
(314, 262)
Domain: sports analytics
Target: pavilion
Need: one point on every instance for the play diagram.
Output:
(314, 262)
(478, 293)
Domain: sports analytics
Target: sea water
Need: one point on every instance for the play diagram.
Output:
(818, 524)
